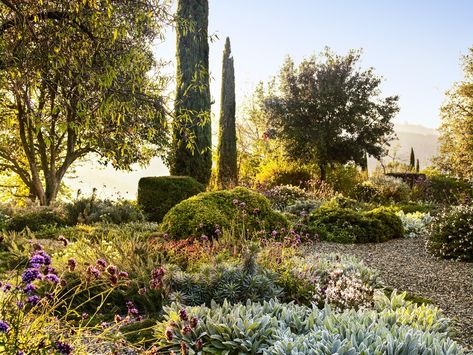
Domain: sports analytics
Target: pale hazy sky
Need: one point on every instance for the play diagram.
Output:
(414, 44)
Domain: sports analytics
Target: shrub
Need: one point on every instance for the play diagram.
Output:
(451, 234)
(278, 328)
(391, 189)
(415, 224)
(209, 212)
(343, 178)
(91, 210)
(157, 195)
(35, 219)
(439, 188)
(283, 196)
(283, 173)
(345, 225)
(365, 191)
(391, 223)
(303, 207)
(233, 282)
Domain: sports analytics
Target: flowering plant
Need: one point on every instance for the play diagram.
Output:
(415, 224)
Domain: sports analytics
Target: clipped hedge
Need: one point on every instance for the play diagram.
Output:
(209, 212)
(158, 194)
(345, 225)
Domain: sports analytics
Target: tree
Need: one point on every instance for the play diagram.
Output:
(456, 131)
(412, 161)
(227, 153)
(364, 163)
(73, 81)
(192, 137)
(330, 111)
(417, 166)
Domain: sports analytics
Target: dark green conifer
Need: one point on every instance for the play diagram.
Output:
(417, 166)
(191, 154)
(227, 151)
(413, 160)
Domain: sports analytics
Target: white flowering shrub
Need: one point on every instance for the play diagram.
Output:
(415, 224)
(451, 234)
(395, 326)
(283, 196)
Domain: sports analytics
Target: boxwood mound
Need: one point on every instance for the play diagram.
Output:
(158, 194)
(208, 213)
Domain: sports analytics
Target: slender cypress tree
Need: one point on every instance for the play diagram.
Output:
(192, 137)
(227, 153)
(412, 163)
(417, 166)
(364, 163)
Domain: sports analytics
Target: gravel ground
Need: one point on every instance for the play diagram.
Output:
(405, 265)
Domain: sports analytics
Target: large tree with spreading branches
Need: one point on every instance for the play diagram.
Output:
(328, 110)
(74, 80)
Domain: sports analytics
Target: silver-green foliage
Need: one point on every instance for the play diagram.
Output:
(395, 326)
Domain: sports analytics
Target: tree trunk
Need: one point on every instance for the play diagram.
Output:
(323, 172)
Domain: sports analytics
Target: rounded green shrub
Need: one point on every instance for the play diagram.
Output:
(158, 194)
(345, 225)
(391, 224)
(451, 234)
(209, 212)
(285, 195)
(391, 189)
(35, 220)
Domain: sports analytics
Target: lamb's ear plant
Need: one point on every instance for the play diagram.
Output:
(38, 315)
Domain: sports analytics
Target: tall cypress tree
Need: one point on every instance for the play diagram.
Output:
(192, 136)
(412, 163)
(417, 166)
(227, 153)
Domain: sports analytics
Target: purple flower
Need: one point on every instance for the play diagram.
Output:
(85, 315)
(63, 348)
(62, 239)
(242, 204)
(29, 289)
(7, 287)
(112, 269)
(183, 314)
(235, 202)
(217, 232)
(4, 327)
(29, 275)
(133, 311)
(169, 334)
(37, 261)
(274, 233)
(33, 300)
(52, 278)
(91, 270)
(20, 305)
(204, 238)
(123, 275)
(101, 263)
(46, 257)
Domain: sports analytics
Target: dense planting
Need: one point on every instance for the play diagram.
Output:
(210, 212)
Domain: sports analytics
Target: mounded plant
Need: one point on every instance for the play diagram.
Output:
(451, 234)
(158, 194)
(209, 212)
(35, 219)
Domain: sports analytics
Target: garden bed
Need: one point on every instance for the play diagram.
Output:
(405, 265)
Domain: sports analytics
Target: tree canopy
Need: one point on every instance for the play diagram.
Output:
(327, 110)
(75, 79)
(456, 130)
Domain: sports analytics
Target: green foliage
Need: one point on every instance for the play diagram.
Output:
(329, 111)
(366, 191)
(451, 234)
(35, 219)
(91, 210)
(343, 178)
(396, 326)
(443, 189)
(208, 212)
(285, 195)
(391, 189)
(277, 173)
(87, 87)
(224, 281)
(227, 171)
(192, 137)
(157, 195)
(456, 130)
(346, 225)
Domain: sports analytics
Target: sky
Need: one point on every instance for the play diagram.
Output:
(415, 45)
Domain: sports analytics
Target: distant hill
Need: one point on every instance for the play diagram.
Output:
(424, 141)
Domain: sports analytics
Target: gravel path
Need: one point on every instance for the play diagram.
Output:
(405, 265)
